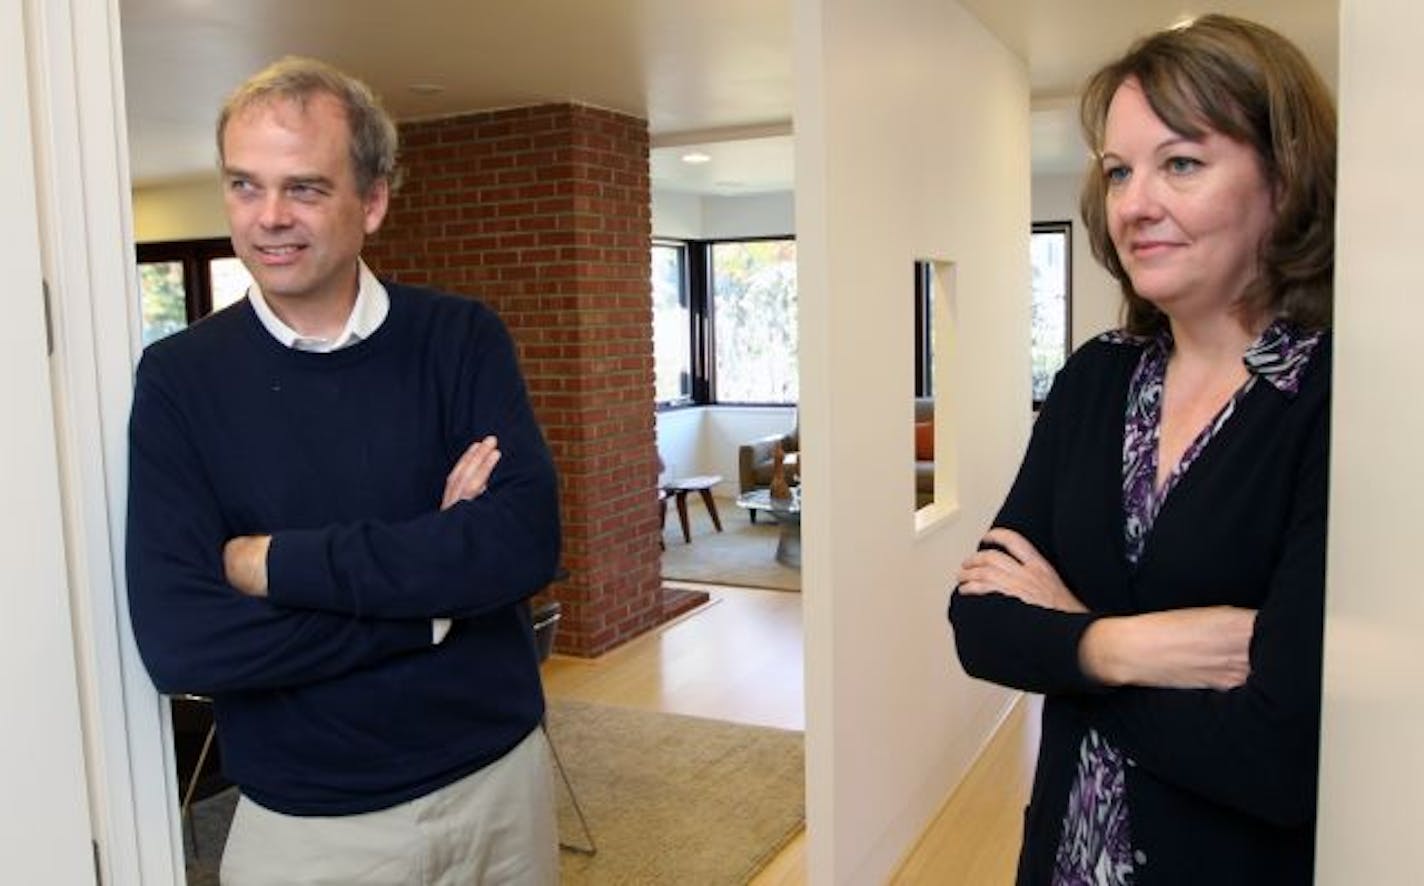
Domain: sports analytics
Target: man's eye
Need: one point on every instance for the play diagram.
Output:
(239, 185)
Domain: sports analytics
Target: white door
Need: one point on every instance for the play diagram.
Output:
(44, 819)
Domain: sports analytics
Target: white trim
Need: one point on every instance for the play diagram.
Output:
(87, 248)
(44, 826)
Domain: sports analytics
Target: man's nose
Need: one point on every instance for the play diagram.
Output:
(275, 211)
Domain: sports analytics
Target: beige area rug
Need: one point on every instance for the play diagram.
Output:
(742, 554)
(668, 798)
(674, 799)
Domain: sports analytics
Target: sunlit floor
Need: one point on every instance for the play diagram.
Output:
(739, 658)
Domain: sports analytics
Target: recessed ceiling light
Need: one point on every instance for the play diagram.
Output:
(426, 88)
(696, 157)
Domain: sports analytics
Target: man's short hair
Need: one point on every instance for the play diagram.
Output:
(374, 140)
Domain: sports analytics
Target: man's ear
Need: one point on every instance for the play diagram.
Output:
(376, 202)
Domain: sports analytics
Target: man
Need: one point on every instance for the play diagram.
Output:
(339, 504)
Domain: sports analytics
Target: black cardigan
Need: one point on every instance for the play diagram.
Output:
(1220, 785)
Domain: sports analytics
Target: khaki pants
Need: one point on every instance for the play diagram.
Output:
(493, 826)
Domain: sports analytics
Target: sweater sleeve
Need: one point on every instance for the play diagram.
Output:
(1000, 638)
(1253, 748)
(194, 631)
(475, 557)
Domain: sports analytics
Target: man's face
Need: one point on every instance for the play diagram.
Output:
(298, 221)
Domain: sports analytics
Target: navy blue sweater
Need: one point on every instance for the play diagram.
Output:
(330, 696)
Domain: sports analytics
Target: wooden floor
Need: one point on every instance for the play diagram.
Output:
(739, 658)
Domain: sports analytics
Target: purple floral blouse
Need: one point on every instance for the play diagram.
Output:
(1095, 847)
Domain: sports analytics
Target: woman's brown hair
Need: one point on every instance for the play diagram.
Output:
(1249, 83)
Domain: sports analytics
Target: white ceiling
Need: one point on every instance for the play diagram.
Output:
(708, 75)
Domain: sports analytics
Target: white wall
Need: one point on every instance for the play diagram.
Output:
(753, 215)
(677, 215)
(1097, 297)
(912, 141)
(1372, 762)
(44, 824)
(704, 439)
(694, 217)
(184, 210)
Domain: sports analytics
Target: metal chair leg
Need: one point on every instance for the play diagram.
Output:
(186, 810)
(592, 848)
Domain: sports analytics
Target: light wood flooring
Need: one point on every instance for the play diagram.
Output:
(739, 658)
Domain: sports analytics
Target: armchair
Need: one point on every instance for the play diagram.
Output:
(924, 451)
(754, 459)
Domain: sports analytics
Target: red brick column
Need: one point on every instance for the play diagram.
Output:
(543, 213)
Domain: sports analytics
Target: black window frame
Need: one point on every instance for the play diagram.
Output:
(684, 297)
(194, 255)
(703, 334)
(1065, 228)
(924, 367)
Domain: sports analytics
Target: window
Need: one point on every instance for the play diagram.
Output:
(182, 280)
(672, 325)
(924, 328)
(754, 321)
(1051, 257)
(724, 322)
(164, 297)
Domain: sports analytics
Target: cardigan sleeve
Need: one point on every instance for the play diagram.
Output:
(195, 632)
(475, 557)
(1253, 748)
(999, 638)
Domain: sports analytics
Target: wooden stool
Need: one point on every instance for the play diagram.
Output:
(678, 489)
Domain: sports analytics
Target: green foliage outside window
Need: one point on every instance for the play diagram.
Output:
(164, 307)
(755, 318)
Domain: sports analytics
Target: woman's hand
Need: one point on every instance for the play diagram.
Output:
(1202, 648)
(1021, 572)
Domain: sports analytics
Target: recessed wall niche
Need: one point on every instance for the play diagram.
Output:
(936, 481)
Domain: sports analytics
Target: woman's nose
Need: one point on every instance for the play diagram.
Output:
(1137, 199)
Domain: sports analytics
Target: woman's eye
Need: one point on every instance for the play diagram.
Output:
(1115, 175)
(1183, 165)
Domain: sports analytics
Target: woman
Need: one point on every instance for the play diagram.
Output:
(1157, 570)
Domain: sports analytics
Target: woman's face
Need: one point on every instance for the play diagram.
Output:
(1186, 215)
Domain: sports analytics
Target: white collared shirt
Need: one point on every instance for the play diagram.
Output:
(372, 305)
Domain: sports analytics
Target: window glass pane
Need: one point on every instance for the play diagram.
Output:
(229, 279)
(1049, 344)
(754, 321)
(672, 325)
(165, 310)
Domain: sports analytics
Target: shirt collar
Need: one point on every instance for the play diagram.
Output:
(1279, 355)
(372, 305)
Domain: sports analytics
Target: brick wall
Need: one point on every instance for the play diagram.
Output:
(543, 213)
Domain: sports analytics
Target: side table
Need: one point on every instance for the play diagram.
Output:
(678, 489)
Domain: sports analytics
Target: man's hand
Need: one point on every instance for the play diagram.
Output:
(1022, 572)
(470, 475)
(245, 563)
